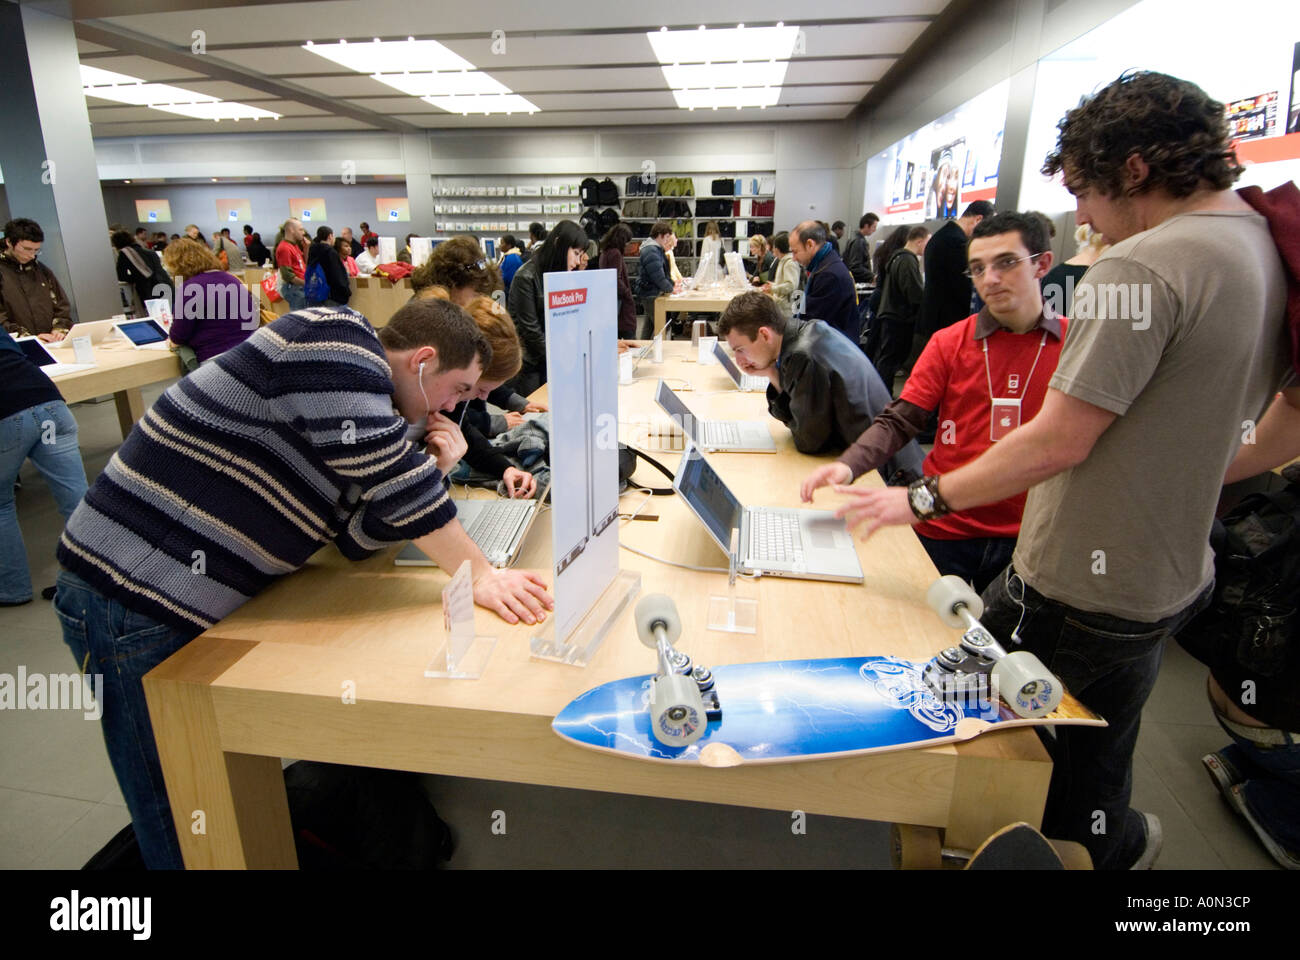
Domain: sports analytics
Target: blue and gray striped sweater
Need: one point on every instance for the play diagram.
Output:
(245, 468)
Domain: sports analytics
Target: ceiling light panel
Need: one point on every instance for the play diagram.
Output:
(713, 46)
(451, 84)
(223, 110)
(705, 75)
(428, 70)
(390, 56)
(120, 88)
(492, 103)
(727, 97)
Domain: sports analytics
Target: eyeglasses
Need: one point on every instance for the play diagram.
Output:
(1001, 265)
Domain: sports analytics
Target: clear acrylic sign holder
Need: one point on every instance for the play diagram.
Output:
(464, 654)
(733, 613)
(582, 642)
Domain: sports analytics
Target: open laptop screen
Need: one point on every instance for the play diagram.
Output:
(728, 364)
(35, 352)
(143, 332)
(680, 413)
(709, 497)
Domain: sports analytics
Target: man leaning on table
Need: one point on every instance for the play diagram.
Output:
(822, 386)
(294, 439)
(1125, 461)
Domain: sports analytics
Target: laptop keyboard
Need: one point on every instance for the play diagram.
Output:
(495, 525)
(775, 537)
(720, 433)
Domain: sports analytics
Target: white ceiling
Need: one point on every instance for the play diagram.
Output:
(598, 72)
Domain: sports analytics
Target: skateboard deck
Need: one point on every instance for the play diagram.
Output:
(790, 710)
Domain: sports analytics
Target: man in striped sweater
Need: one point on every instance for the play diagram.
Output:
(296, 438)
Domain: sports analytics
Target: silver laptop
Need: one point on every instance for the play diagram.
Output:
(97, 330)
(804, 544)
(731, 436)
(39, 353)
(647, 350)
(497, 526)
(745, 381)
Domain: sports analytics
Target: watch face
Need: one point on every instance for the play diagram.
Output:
(922, 499)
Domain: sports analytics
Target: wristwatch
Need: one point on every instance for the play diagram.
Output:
(924, 499)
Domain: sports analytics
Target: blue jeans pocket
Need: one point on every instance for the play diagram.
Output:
(1098, 649)
(74, 635)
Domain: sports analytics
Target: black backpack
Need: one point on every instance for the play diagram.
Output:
(608, 219)
(590, 222)
(607, 193)
(589, 190)
(1250, 625)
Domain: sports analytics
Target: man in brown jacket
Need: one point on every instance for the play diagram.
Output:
(31, 299)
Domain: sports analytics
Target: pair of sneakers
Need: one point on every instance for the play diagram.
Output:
(1224, 768)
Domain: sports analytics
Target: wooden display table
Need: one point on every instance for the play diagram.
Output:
(328, 664)
(121, 370)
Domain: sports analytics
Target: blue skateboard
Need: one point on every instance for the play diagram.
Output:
(789, 710)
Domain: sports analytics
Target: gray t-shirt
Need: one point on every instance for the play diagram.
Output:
(1179, 330)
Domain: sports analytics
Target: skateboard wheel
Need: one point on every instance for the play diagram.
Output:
(949, 592)
(677, 716)
(1028, 688)
(656, 608)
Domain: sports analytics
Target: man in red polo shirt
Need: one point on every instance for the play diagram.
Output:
(985, 375)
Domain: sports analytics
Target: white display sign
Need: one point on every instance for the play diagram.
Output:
(581, 315)
(387, 249)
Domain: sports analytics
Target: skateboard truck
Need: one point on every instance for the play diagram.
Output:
(979, 666)
(683, 698)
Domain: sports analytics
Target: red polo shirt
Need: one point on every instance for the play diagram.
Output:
(951, 376)
(288, 255)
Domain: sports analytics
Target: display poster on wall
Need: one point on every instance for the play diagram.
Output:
(153, 211)
(935, 171)
(307, 209)
(392, 209)
(234, 211)
(1253, 117)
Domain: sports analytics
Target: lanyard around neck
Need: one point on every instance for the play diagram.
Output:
(989, 373)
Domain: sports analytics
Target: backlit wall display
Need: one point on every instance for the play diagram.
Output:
(308, 209)
(935, 172)
(392, 209)
(153, 211)
(230, 212)
(1255, 83)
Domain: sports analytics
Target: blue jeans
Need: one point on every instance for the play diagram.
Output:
(1270, 785)
(47, 434)
(296, 297)
(977, 561)
(106, 637)
(1110, 665)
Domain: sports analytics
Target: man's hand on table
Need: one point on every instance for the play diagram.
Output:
(513, 595)
(873, 509)
(519, 483)
(828, 473)
(54, 336)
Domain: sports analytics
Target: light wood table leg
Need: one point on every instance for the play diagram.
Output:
(130, 408)
(230, 809)
(994, 787)
(661, 314)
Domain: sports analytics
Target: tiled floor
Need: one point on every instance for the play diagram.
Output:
(59, 802)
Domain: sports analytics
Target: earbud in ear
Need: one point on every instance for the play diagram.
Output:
(421, 368)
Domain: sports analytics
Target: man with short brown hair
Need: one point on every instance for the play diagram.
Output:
(822, 387)
(32, 301)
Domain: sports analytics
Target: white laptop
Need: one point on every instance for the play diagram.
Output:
(647, 350)
(497, 526)
(730, 436)
(97, 330)
(745, 381)
(39, 353)
(143, 334)
(804, 544)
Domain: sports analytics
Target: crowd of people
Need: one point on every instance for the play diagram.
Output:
(1054, 428)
